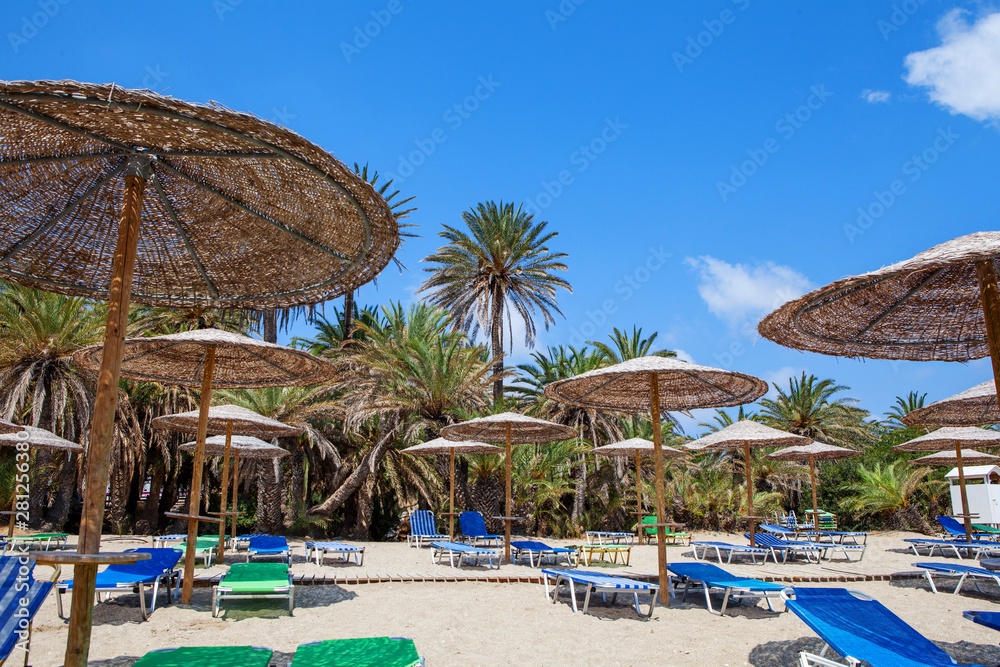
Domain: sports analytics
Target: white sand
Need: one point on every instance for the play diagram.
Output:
(478, 623)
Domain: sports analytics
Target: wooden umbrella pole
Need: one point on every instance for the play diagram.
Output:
(508, 507)
(812, 475)
(13, 517)
(194, 497)
(991, 312)
(661, 537)
(967, 519)
(746, 467)
(236, 487)
(451, 510)
(638, 495)
(103, 420)
(225, 492)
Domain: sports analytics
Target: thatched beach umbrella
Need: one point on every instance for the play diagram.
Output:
(240, 213)
(816, 451)
(959, 438)
(973, 407)
(439, 446)
(636, 447)
(744, 435)
(211, 358)
(970, 457)
(656, 385)
(33, 437)
(512, 429)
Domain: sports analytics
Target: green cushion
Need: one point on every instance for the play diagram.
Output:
(201, 544)
(256, 577)
(367, 652)
(985, 529)
(40, 536)
(217, 656)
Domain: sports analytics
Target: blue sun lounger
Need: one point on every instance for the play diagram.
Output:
(991, 619)
(540, 550)
(268, 546)
(319, 550)
(473, 527)
(608, 537)
(423, 529)
(963, 572)
(954, 527)
(161, 567)
(731, 549)
(826, 548)
(711, 577)
(836, 536)
(596, 582)
(21, 596)
(977, 547)
(860, 628)
(463, 552)
(776, 545)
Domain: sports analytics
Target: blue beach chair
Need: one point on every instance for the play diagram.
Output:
(160, 568)
(711, 577)
(991, 619)
(463, 553)
(319, 550)
(790, 537)
(269, 546)
(776, 545)
(540, 550)
(977, 548)
(963, 572)
(423, 529)
(596, 582)
(731, 549)
(21, 595)
(474, 530)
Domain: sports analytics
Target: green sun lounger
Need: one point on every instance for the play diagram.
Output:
(204, 548)
(254, 580)
(39, 540)
(365, 652)
(217, 656)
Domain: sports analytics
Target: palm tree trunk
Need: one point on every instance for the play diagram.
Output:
(292, 501)
(368, 464)
(150, 511)
(39, 483)
(270, 326)
(348, 314)
(63, 502)
(496, 333)
(366, 508)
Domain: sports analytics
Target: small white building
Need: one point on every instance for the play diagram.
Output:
(982, 487)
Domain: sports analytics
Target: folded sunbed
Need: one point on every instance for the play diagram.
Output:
(160, 568)
(474, 532)
(254, 580)
(21, 595)
(364, 652)
(423, 529)
(608, 537)
(463, 552)
(205, 548)
(319, 550)
(860, 629)
(731, 549)
(963, 572)
(596, 582)
(991, 619)
(711, 577)
(244, 656)
(269, 546)
(977, 548)
(541, 551)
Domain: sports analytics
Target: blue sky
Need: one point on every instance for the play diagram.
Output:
(701, 163)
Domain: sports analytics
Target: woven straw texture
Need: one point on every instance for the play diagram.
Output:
(927, 308)
(523, 429)
(39, 437)
(238, 212)
(817, 451)
(742, 433)
(625, 387)
(7, 427)
(240, 362)
(943, 438)
(247, 447)
(245, 422)
(634, 446)
(969, 458)
(973, 407)
(443, 446)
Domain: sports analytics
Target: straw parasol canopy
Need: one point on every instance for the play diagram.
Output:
(109, 191)
(948, 458)
(973, 407)
(7, 427)
(240, 361)
(815, 451)
(441, 446)
(510, 428)
(39, 437)
(246, 446)
(244, 422)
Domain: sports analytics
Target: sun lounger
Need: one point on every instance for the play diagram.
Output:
(963, 572)
(269, 546)
(319, 550)
(977, 547)
(43, 541)
(596, 582)
(423, 529)
(205, 548)
(776, 545)
(541, 551)
(473, 528)
(463, 552)
(160, 568)
(730, 549)
(991, 619)
(836, 536)
(608, 537)
(160, 541)
(364, 652)
(254, 580)
(860, 629)
(956, 528)
(711, 577)
(21, 595)
(649, 534)
(827, 549)
(244, 656)
(242, 541)
(588, 551)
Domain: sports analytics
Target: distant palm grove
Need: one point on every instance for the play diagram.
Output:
(404, 373)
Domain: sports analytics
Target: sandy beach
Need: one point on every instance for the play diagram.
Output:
(472, 623)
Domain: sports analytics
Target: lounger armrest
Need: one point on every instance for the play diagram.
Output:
(787, 594)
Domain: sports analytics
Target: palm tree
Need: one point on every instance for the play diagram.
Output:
(811, 408)
(625, 346)
(904, 406)
(892, 491)
(502, 263)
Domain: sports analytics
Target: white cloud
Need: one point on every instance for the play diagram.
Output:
(780, 378)
(683, 355)
(963, 74)
(736, 292)
(875, 96)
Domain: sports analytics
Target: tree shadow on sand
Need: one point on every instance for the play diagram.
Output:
(785, 653)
